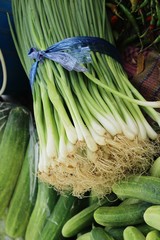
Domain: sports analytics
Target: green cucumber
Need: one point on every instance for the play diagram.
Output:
(144, 228)
(12, 151)
(145, 188)
(153, 235)
(152, 216)
(93, 198)
(99, 233)
(155, 168)
(129, 201)
(84, 218)
(122, 215)
(53, 227)
(116, 233)
(132, 233)
(45, 202)
(85, 236)
(23, 198)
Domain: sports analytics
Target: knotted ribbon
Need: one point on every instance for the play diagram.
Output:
(71, 53)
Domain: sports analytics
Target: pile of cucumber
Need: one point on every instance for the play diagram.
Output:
(32, 210)
(133, 213)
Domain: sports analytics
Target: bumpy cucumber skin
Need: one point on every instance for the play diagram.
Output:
(12, 151)
(152, 216)
(45, 202)
(118, 216)
(53, 227)
(99, 233)
(132, 233)
(22, 202)
(84, 218)
(145, 188)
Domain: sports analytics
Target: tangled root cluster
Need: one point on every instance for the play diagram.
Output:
(98, 171)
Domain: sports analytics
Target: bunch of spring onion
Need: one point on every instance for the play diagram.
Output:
(91, 125)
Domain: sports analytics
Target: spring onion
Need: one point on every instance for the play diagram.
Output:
(91, 125)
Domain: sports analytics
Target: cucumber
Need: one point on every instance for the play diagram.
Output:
(99, 233)
(132, 233)
(76, 208)
(12, 151)
(85, 236)
(23, 198)
(145, 188)
(122, 215)
(129, 201)
(144, 228)
(155, 168)
(116, 233)
(45, 202)
(153, 235)
(84, 218)
(53, 227)
(152, 216)
(93, 198)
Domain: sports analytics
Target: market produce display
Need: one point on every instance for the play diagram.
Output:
(90, 121)
(84, 162)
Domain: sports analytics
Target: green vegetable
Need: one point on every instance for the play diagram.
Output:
(153, 235)
(133, 233)
(122, 215)
(93, 198)
(82, 117)
(146, 188)
(144, 228)
(130, 17)
(152, 216)
(155, 168)
(53, 226)
(116, 233)
(5, 108)
(12, 149)
(2, 227)
(85, 236)
(45, 203)
(98, 233)
(23, 198)
(129, 201)
(84, 218)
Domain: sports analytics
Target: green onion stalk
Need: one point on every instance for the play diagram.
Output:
(91, 125)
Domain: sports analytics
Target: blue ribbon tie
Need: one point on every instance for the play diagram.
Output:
(71, 53)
